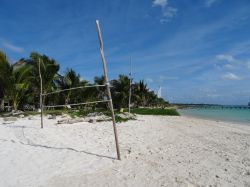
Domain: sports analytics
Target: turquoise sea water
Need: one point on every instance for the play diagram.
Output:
(226, 114)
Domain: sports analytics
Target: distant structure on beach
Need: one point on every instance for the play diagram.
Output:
(159, 92)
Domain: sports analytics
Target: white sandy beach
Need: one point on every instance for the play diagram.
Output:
(156, 151)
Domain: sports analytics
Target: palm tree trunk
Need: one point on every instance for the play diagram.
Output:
(2, 105)
(67, 99)
(15, 105)
(44, 98)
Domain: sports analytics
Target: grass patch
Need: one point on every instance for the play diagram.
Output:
(77, 113)
(120, 120)
(155, 111)
(3, 113)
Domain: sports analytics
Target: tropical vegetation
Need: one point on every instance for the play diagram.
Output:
(155, 111)
(20, 86)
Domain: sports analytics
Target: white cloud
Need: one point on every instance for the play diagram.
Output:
(209, 3)
(209, 93)
(248, 65)
(230, 62)
(225, 57)
(161, 3)
(12, 47)
(162, 78)
(168, 12)
(164, 20)
(231, 76)
(229, 66)
(149, 80)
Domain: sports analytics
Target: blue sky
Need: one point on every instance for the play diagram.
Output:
(198, 51)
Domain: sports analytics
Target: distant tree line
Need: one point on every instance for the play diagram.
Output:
(20, 85)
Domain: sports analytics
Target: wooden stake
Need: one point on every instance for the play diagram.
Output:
(108, 89)
(130, 84)
(41, 92)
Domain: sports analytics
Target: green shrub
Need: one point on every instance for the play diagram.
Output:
(155, 111)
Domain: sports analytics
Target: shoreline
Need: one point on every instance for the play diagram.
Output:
(155, 150)
(214, 119)
(222, 123)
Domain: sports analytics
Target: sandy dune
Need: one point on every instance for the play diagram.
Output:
(156, 151)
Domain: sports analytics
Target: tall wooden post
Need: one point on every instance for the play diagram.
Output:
(130, 84)
(108, 89)
(41, 91)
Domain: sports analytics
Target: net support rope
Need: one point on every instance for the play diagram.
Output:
(75, 104)
(80, 87)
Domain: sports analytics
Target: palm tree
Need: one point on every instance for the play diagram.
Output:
(4, 71)
(99, 93)
(152, 99)
(20, 83)
(1, 98)
(14, 81)
(140, 93)
(4, 64)
(69, 80)
(120, 91)
(49, 69)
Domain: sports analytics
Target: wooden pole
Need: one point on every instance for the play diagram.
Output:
(41, 92)
(108, 89)
(130, 84)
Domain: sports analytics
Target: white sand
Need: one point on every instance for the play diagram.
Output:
(156, 151)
